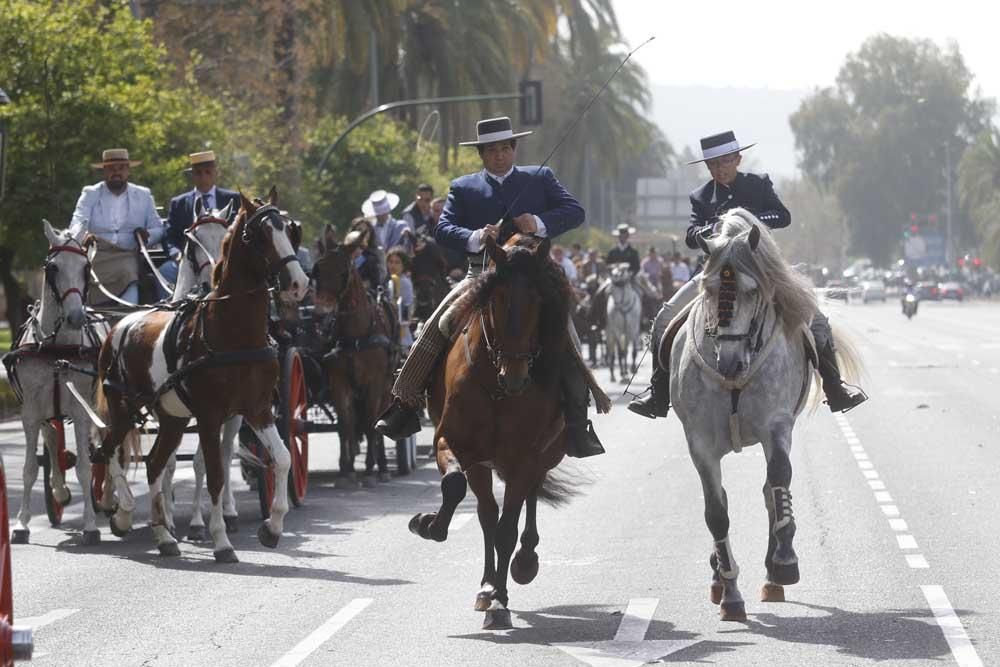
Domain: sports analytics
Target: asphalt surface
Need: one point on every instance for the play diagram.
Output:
(895, 507)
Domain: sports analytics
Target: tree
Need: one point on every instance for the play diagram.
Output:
(979, 191)
(877, 139)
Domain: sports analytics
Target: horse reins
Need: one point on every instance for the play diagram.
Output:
(496, 353)
(51, 269)
(193, 238)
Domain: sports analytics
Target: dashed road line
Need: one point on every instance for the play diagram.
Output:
(961, 647)
(35, 622)
(320, 635)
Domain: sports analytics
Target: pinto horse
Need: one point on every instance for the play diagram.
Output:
(740, 375)
(496, 403)
(359, 366)
(224, 367)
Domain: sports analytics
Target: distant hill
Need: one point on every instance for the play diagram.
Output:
(687, 113)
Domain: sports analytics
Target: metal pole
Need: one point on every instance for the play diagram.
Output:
(373, 66)
(948, 249)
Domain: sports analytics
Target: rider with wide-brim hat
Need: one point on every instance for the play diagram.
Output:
(623, 252)
(730, 188)
(535, 203)
(115, 211)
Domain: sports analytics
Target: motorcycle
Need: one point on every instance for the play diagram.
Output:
(910, 306)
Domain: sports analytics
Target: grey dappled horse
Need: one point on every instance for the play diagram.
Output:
(623, 325)
(739, 376)
(59, 327)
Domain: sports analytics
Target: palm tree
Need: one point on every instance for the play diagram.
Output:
(979, 190)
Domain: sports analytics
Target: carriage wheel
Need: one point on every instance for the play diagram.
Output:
(52, 506)
(293, 409)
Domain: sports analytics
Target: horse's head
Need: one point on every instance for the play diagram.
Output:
(512, 316)
(204, 247)
(67, 273)
(271, 234)
(331, 272)
(620, 273)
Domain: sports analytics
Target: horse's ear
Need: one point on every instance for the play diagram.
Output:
(542, 251)
(50, 233)
(272, 196)
(90, 245)
(703, 244)
(496, 253)
(227, 211)
(245, 203)
(199, 208)
(754, 237)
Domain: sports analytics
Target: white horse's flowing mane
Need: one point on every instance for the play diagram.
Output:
(790, 290)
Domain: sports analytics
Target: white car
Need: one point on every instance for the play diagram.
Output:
(872, 290)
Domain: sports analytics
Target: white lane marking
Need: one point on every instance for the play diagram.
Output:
(869, 474)
(883, 497)
(860, 456)
(320, 635)
(917, 561)
(890, 510)
(976, 362)
(35, 622)
(459, 520)
(898, 525)
(857, 448)
(906, 542)
(951, 627)
(636, 620)
(876, 485)
(866, 465)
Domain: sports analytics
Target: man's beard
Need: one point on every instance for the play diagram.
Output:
(116, 184)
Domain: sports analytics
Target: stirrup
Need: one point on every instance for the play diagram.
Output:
(852, 399)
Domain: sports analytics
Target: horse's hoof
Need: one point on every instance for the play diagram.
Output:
(733, 611)
(115, 530)
(266, 537)
(232, 524)
(196, 533)
(784, 575)
(385, 477)
(91, 538)
(483, 600)
(497, 619)
(524, 567)
(226, 556)
(772, 593)
(414, 524)
(420, 525)
(716, 594)
(169, 549)
(370, 481)
(345, 483)
(20, 536)
(59, 497)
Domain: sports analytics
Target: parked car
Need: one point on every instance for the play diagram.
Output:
(872, 290)
(928, 291)
(836, 289)
(951, 290)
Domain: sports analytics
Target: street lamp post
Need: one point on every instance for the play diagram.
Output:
(4, 100)
(949, 253)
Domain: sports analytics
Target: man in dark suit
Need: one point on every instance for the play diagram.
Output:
(730, 188)
(623, 252)
(535, 203)
(204, 172)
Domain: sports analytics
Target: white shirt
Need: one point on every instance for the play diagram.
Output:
(569, 268)
(475, 242)
(115, 218)
(680, 271)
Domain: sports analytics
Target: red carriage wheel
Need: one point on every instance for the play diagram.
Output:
(52, 506)
(15, 643)
(293, 409)
(98, 471)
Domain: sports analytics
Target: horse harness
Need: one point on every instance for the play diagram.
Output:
(495, 352)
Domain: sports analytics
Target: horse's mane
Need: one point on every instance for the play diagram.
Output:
(235, 229)
(548, 278)
(790, 290)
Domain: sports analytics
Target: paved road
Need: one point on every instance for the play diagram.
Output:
(895, 506)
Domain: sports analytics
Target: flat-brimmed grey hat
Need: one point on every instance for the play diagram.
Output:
(494, 129)
(718, 145)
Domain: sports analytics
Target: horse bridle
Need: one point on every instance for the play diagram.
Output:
(190, 235)
(51, 269)
(496, 353)
(726, 307)
(252, 231)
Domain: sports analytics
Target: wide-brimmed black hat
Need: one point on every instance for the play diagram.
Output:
(718, 145)
(494, 129)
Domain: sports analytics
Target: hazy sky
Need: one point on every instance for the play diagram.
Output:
(795, 44)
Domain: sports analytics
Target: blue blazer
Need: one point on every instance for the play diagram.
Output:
(477, 200)
(181, 213)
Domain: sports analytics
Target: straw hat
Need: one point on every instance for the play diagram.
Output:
(115, 156)
(204, 157)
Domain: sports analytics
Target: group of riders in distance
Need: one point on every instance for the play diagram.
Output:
(470, 294)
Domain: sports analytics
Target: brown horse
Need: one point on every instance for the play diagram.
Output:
(496, 404)
(210, 361)
(359, 366)
(429, 271)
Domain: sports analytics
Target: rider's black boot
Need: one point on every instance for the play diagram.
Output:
(399, 421)
(581, 441)
(839, 396)
(657, 402)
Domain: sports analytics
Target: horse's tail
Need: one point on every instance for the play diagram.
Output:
(852, 367)
(561, 485)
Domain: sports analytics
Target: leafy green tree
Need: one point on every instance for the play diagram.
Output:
(979, 191)
(878, 138)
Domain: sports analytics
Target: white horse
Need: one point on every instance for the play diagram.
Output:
(624, 311)
(194, 275)
(740, 375)
(60, 327)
